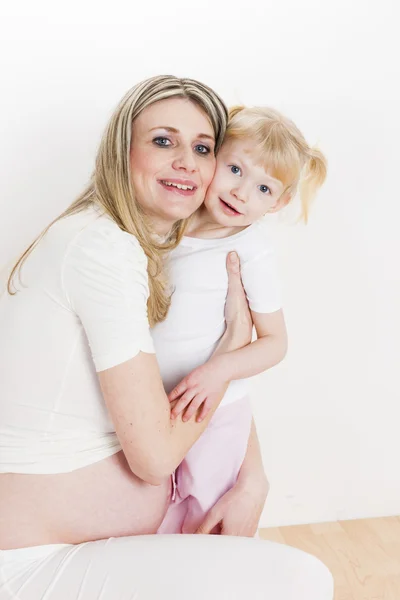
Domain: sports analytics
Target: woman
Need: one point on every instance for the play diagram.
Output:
(88, 457)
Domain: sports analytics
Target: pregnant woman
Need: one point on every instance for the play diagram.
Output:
(87, 445)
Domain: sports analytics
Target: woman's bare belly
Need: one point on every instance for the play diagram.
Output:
(100, 501)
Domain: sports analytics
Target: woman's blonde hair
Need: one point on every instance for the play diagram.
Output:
(282, 150)
(110, 184)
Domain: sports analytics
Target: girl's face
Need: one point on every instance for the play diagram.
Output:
(241, 191)
(172, 160)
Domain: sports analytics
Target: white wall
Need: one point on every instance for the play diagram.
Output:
(328, 416)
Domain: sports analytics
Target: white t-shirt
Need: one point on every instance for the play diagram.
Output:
(82, 308)
(195, 322)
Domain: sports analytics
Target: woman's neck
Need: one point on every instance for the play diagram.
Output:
(202, 225)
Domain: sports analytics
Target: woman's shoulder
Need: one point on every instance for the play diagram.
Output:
(101, 261)
(93, 233)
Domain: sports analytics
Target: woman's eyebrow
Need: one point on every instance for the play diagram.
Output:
(173, 130)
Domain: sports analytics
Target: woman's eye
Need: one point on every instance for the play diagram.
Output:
(235, 170)
(202, 149)
(162, 141)
(264, 189)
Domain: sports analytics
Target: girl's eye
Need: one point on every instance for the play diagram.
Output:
(162, 141)
(264, 189)
(202, 149)
(235, 170)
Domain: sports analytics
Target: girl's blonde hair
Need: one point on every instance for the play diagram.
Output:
(110, 184)
(281, 149)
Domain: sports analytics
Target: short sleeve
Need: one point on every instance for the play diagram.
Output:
(106, 284)
(261, 283)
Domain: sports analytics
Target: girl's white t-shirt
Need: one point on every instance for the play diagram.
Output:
(81, 307)
(195, 322)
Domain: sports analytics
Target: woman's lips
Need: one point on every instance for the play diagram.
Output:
(186, 186)
(229, 210)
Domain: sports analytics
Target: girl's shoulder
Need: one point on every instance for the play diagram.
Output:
(257, 240)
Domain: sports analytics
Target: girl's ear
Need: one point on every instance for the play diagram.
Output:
(282, 201)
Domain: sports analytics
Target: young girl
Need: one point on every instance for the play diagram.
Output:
(263, 162)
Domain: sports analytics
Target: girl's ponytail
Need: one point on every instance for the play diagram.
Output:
(312, 177)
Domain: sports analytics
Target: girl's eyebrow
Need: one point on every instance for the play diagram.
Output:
(269, 179)
(173, 130)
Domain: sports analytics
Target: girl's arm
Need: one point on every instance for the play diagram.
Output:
(198, 388)
(267, 351)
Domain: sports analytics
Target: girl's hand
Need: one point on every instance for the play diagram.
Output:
(201, 388)
(238, 512)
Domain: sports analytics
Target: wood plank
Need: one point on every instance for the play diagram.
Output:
(363, 555)
(272, 535)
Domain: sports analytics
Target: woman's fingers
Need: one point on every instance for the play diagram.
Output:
(236, 304)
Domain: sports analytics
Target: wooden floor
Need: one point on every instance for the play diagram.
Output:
(363, 555)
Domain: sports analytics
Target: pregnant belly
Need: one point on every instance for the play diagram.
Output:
(99, 501)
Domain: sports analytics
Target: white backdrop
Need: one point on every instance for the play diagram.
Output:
(328, 417)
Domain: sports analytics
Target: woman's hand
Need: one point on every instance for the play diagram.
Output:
(238, 512)
(239, 324)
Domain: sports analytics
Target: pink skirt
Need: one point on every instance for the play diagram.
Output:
(210, 468)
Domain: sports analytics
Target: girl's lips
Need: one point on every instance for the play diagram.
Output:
(228, 210)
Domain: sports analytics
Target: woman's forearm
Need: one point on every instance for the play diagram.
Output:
(153, 443)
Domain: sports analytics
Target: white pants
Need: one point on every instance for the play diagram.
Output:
(169, 567)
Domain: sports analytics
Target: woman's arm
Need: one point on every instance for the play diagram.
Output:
(154, 445)
(239, 510)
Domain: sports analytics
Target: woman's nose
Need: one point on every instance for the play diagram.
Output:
(185, 161)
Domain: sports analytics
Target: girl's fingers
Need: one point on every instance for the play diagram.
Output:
(205, 409)
(182, 403)
(177, 391)
(193, 407)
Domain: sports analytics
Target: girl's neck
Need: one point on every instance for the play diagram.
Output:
(202, 225)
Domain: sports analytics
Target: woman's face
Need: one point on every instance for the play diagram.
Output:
(172, 160)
